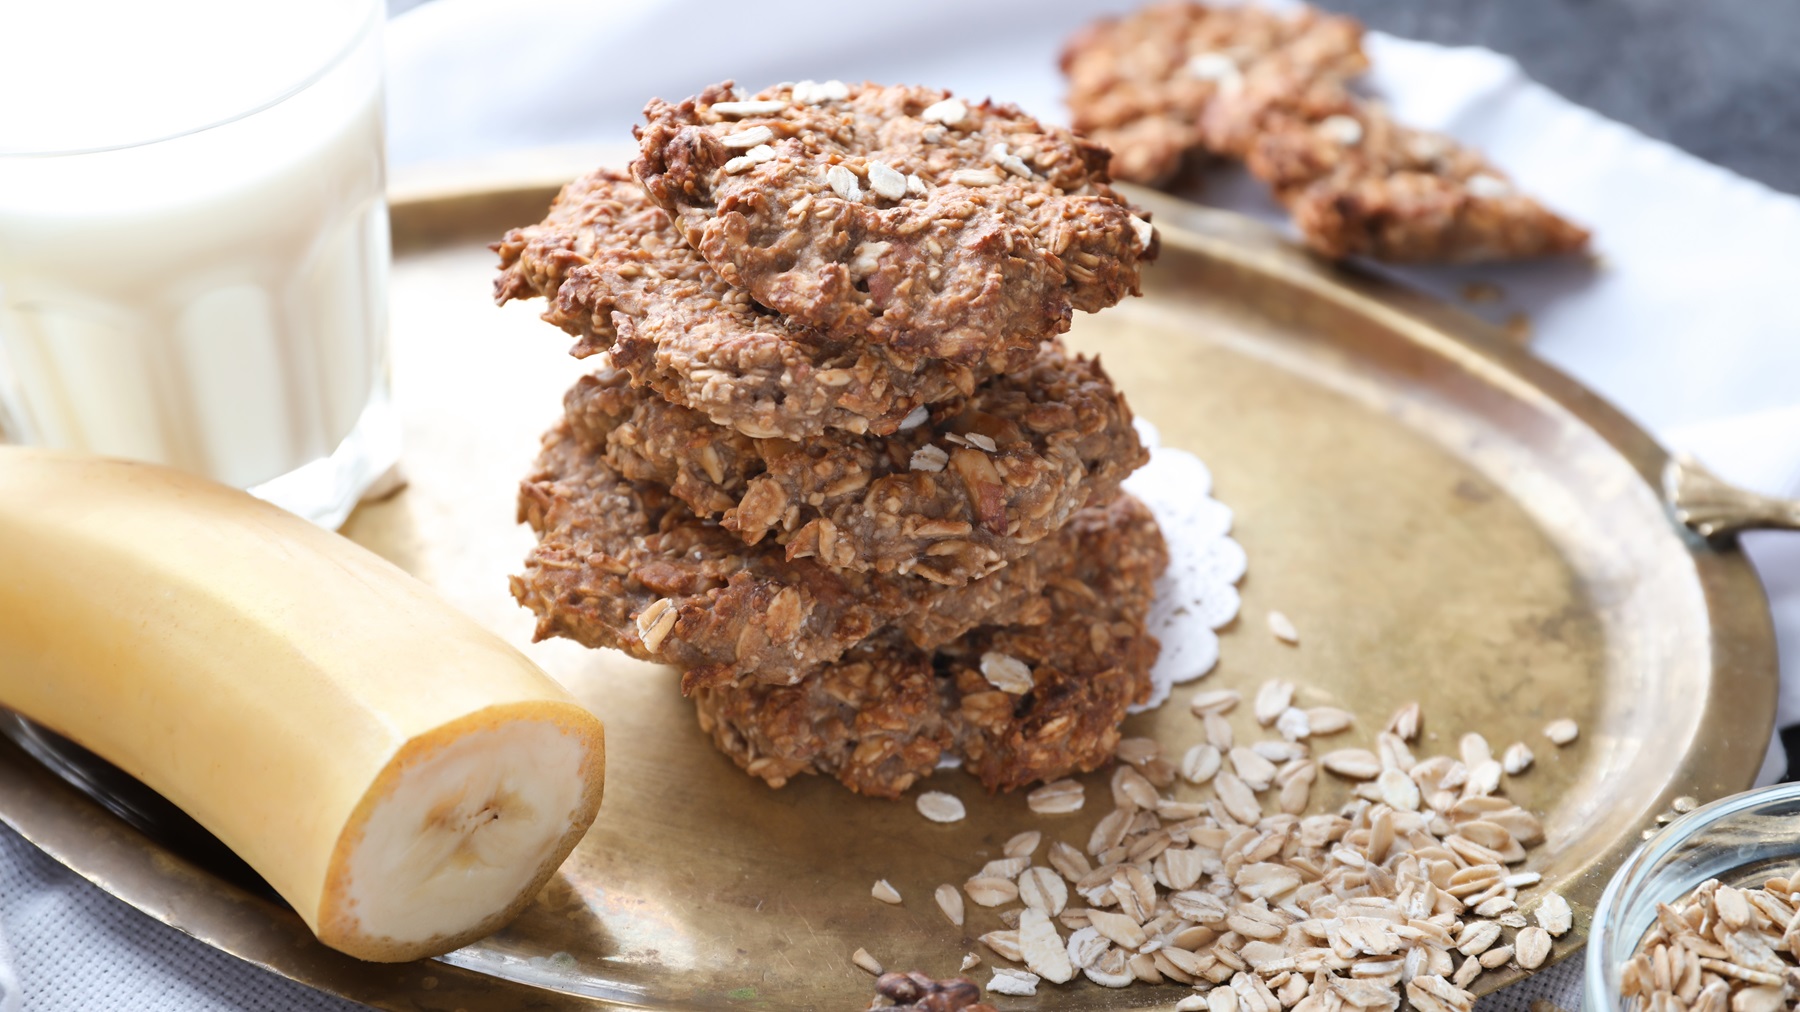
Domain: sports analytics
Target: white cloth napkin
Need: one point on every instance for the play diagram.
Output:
(1688, 323)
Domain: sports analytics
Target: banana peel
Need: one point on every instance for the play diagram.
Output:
(404, 778)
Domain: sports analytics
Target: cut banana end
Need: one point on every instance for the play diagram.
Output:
(457, 836)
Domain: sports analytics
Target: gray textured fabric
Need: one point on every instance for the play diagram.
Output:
(77, 949)
(1560, 985)
(10, 999)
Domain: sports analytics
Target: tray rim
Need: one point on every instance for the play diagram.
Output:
(82, 836)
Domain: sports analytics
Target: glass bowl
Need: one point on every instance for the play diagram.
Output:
(1743, 839)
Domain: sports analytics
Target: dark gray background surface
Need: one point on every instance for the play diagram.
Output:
(1717, 78)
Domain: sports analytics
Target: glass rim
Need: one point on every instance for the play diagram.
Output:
(372, 17)
(1601, 969)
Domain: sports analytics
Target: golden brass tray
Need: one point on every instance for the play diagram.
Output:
(1445, 518)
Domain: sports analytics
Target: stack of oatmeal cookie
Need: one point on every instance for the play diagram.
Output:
(1273, 90)
(835, 465)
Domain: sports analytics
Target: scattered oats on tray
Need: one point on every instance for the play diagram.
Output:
(862, 958)
(940, 807)
(1406, 891)
(1014, 982)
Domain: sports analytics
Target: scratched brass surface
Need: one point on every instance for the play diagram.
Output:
(1444, 518)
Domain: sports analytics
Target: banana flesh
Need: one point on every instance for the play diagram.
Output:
(467, 828)
(406, 780)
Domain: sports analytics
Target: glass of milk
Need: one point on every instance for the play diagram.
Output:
(194, 240)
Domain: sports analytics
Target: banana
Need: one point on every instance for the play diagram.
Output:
(405, 779)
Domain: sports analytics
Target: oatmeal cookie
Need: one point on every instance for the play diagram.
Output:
(880, 718)
(626, 565)
(1358, 183)
(874, 719)
(1274, 90)
(900, 216)
(975, 483)
(619, 278)
(1176, 78)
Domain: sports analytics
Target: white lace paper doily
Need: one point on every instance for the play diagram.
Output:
(1197, 594)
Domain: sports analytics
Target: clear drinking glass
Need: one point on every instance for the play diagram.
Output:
(1740, 840)
(194, 240)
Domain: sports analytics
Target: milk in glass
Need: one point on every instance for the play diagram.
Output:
(194, 240)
